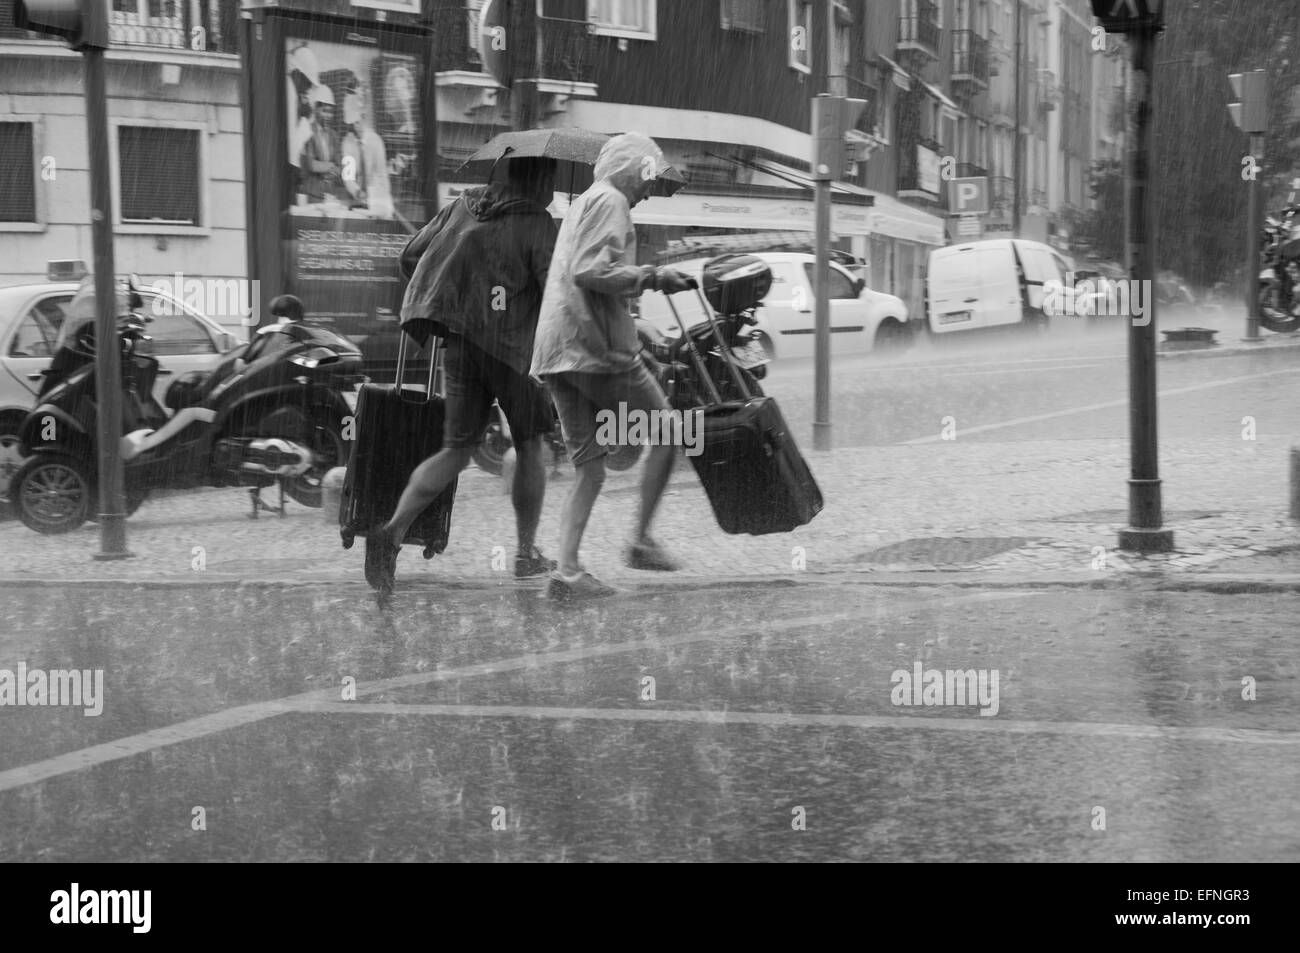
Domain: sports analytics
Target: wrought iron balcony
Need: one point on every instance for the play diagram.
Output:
(568, 50)
(210, 26)
(918, 32)
(970, 59)
(453, 47)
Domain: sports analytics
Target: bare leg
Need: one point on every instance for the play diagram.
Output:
(528, 491)
(428, 480)
(589, 477)
(654, 478)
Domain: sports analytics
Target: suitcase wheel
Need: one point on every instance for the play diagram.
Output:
(348, 538)
(429, 552)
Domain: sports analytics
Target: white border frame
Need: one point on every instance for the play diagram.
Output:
(204, 227)
(39, 185)
(652, 16)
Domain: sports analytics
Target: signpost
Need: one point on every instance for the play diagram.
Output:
(84, 25)
(832, 118)
(1250, 113)
(1142, 20)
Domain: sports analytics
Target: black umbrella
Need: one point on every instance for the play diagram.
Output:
(574, 150)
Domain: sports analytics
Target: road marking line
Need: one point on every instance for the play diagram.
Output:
(814, 720)
(1025, 370)
(319, 699)
(1089, 408)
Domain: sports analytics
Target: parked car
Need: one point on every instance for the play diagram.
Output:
(990, 283)
(36, 319)
(861, 319)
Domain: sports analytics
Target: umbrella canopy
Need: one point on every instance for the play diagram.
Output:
(574, 150)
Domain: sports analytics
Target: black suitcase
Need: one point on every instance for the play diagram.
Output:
(756, 479)
(397, 428)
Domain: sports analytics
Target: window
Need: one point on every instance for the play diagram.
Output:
(17, 173)
(742, 15)
(173, 330)
(800, 32)
(36, 334)
(146, 10)
(629, 18)
(840, 285)
(158, 172)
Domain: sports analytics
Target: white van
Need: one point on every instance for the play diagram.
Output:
(989, 283)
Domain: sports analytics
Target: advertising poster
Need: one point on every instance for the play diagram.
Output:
(352, 197)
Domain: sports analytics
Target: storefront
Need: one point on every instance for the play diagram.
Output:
(891, 237)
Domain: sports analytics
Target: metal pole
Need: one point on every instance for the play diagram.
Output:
(822, 316)
(108, 372)
(1252, 241)
(1016, 162)
(1144, 533)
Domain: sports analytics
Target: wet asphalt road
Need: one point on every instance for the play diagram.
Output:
(489, 724)
(1072, 383)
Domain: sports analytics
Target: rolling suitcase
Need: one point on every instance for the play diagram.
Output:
(397, 428)
(756, 479)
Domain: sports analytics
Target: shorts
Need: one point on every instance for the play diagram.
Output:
(472, 380)
(580, 397)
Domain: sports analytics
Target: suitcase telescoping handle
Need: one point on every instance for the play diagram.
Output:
(696, 357)
(401, 366)
(723, 347)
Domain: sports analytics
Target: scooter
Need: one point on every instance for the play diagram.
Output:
(271, 411)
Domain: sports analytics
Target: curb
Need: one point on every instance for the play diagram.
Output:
(1280, 342)
(1223, 583)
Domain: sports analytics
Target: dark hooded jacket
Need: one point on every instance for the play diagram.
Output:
(478, 269)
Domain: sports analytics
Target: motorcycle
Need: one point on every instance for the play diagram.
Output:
(1279, 277)
(271, 411)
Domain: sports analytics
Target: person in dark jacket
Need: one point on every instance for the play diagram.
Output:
(477, 272)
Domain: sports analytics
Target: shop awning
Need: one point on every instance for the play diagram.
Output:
(895, 219)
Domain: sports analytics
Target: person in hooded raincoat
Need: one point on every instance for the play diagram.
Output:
(476, 276)
(586, 351)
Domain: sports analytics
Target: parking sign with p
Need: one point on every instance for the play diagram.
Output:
(968, 196)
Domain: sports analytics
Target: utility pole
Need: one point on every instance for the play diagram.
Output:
(1250, 114)
(1143, 19)
(1017, 164)
(84, 25)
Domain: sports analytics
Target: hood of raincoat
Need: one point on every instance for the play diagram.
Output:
(494, 201)
(627, 160)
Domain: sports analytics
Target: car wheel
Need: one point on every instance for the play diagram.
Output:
(891, 337)
(52, 493)
(1035, 322)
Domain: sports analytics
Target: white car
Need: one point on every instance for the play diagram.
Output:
(35, 319)
(861, 319)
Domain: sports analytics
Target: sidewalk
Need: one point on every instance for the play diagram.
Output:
(1030, 511)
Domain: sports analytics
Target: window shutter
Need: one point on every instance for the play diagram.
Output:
(743, 15)
(17, 173)
(159, 172)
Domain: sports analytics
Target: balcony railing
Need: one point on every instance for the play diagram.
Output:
(569, 47)
(210, 26)
(452, 46)
(918, 29)
(1002, 190)
(970, 57)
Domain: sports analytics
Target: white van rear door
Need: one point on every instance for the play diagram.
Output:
(999, 285)
(953, 288)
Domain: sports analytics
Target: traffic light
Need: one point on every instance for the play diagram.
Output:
(832, 118)
(83, 23)
(1250, 112)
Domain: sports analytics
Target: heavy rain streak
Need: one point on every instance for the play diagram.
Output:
(620, 430)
